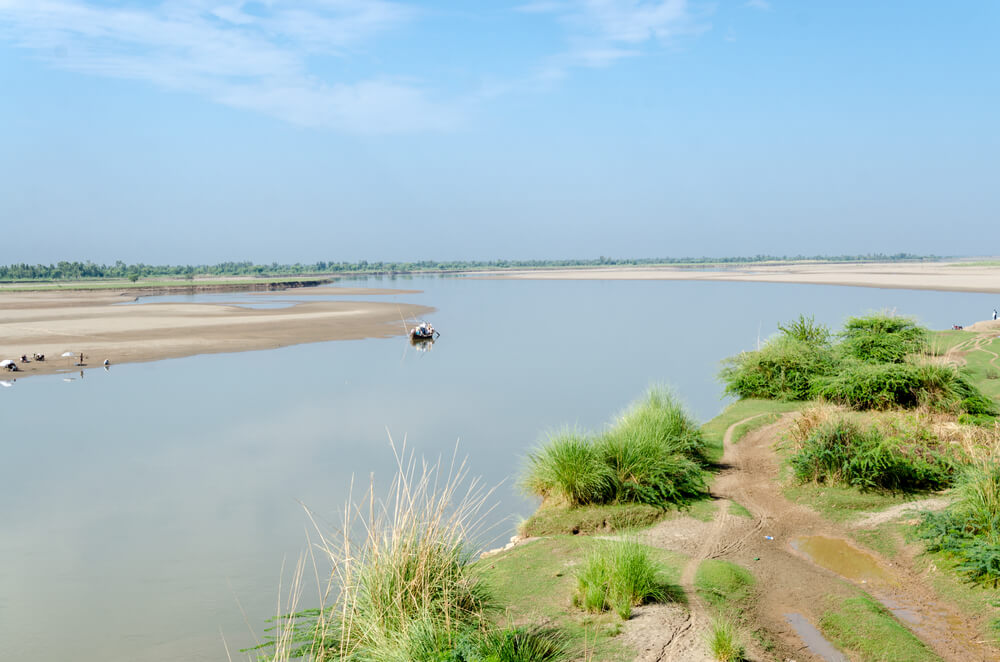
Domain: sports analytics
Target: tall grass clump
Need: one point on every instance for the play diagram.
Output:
(844, 451)
(617, 577)
(653, 454)
(568, 468)
(724, 643)
(969, 529)
(522, 644)
(401, 587)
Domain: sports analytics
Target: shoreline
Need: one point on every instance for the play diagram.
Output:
(52, 323)
(940, 276)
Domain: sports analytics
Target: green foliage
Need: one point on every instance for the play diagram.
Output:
(882, 338)
(842, 451)
(871, 368)
(723, 584)
(970, 527)
(653, 455)
(608, 518)
(783, 369)
(619, 576)
(723, 641)
(805, 329)
(863, 626)
(570, 468)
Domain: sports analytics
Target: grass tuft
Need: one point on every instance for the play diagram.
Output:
(618, 577)
(723, 641)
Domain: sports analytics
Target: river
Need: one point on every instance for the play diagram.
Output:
(146, 508)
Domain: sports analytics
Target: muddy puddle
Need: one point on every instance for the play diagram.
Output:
(841, 557)
(814, 639)
(932, 623)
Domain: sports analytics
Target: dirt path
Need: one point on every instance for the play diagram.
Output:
(790, 583)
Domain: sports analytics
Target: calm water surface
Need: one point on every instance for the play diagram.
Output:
(144, 507)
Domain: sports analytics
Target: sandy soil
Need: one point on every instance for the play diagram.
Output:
(910, 276)
(789, 582)
(52, 323)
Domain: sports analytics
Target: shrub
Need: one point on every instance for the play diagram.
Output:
(882, 338)
(970, 528)
(617, 577)
(660, 420)
(783, 369)
(842, 451)
(805, 329)
(569, 468)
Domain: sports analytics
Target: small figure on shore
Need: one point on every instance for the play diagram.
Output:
(24, 358)
(106, 363)
(81, 359)
(994, 314)
(39, 357)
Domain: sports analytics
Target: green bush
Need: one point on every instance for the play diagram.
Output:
(619, 576)
(522, 644)
(969, 529)
(841, 451)
(570, 468)
(723, 641)
(783, 369)
(882, 338)
(807, 330)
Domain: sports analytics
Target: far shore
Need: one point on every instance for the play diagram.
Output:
(943, 276)
(54, 323)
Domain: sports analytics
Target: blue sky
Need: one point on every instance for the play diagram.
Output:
(211, 130)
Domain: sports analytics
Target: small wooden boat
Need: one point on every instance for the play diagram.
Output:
(423, 332)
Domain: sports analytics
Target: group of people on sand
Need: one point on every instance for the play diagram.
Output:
(12, 365)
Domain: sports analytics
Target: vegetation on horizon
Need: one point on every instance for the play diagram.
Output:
(120, 270)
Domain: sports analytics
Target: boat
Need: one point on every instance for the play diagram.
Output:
(423, 331)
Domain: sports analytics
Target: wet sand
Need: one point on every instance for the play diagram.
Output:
(910, 276)
(52, 323)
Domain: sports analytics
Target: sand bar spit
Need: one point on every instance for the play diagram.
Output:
(52, 323)
(909, 276)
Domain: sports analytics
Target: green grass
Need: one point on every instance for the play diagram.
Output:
(618, 576)
(871, 633)
(724, 585)
(739, 510)
(535, 583)
(743, 429)
(652, 454)
(724, 641)
(841, 504)
(715, 429)
(611, 518)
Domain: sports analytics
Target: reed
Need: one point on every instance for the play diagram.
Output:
(724, 642)
(568, 469)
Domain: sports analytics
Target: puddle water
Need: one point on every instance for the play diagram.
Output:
(814, 639)
(842, 558)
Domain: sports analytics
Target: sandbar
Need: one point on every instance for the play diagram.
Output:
(52, 323)
(945, 276)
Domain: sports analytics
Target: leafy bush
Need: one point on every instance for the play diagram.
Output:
(522, 644)
(842, 451)
(783, 369)
(882, 338)
(617, 577)
(970, 528)
(805, 329)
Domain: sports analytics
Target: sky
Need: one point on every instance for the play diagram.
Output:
(202, 131)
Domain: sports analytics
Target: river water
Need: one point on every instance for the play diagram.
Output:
(145, 509)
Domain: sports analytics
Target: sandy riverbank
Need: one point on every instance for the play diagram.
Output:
(910, 276)
(52, 323)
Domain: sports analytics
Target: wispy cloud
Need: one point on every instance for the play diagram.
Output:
(762, 5)
(243, 54)
(601, 32)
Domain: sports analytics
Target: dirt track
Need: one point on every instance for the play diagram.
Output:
(789, 582)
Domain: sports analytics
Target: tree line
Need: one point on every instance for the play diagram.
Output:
(120, 270)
